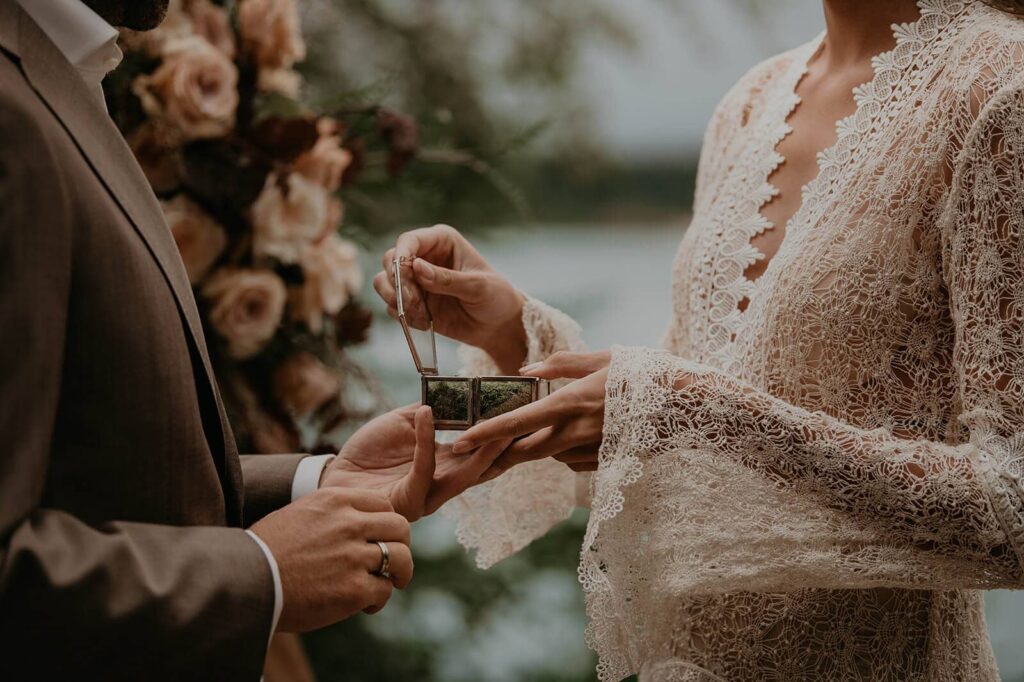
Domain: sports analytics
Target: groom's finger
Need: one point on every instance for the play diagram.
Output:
(386, 527)
(543, 443)
(423, 458)
(400, 564)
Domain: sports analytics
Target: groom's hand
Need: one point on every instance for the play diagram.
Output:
(469, 300)
(326, 552)
(396, 455)
(392, 454)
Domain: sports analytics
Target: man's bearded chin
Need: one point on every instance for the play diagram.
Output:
(138, 15)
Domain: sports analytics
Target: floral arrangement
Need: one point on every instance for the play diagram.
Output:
(252, 184)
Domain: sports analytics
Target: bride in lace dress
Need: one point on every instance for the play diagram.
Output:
(820, 472)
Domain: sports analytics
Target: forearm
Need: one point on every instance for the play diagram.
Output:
(543, 332)
(923, 495)
(161, 602)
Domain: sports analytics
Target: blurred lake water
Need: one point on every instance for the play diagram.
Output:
(615, 281)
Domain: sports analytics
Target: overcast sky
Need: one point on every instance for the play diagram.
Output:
(657, 101)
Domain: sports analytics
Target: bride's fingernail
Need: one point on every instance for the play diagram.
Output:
(462, 447)
(532, 367)
(424, 270)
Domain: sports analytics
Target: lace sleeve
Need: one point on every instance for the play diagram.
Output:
(735, 489)
(502, 516)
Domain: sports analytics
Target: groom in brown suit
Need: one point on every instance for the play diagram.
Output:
(122, 497)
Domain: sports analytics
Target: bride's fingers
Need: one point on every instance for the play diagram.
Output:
(583, 467)
(555, 442)
(539, 445)
(385, 288)
(525, 420)
(388, 261)
(585, 454)
(565, 365)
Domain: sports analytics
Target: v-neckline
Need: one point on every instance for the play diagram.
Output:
(871, 98)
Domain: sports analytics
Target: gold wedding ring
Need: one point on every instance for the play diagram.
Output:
(385, 560)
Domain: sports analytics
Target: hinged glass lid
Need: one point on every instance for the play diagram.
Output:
(415, 318)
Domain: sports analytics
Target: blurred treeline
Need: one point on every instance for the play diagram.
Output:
(505, 132)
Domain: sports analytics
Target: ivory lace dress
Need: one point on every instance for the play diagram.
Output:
(818, 487)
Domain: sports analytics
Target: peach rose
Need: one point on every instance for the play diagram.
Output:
(245, 308)
(282, 81)
(290, 213)
(176, 25)
(194, 90)
(326, 162)
(212, 23)
(332, 275)
(200, 239)
(303, 384)
(271, 33)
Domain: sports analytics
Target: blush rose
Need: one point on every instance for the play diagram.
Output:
(245, 308)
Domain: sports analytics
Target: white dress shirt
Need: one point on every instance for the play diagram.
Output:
(87, 41)
(90, 44)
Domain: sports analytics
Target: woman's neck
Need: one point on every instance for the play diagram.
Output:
(857, 30)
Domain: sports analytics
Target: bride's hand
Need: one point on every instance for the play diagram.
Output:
(470, 301)
(567, 425)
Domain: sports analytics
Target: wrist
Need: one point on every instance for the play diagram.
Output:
(507, 346)
(324, 470)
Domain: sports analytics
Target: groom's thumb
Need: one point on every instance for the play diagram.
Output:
(438, 280)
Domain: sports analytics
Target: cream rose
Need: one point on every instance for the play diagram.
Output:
(271, 33)
(212, 23)
(194, 90)
(290, 213)
(332, 276)
(282, 81)
(200, 239)
(326, 162)
(245, 308)
(303, 384)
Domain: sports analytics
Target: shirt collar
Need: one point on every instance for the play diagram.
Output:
(87, 41)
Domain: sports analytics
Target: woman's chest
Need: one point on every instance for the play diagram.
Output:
(853, 286)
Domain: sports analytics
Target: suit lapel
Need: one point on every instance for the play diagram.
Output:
(103, 147)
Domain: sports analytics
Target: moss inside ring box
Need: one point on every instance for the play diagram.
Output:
(450, 399)
(498, 396)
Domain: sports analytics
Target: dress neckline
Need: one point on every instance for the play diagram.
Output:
(892, 76)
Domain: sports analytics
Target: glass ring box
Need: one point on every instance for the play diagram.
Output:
(457, 402)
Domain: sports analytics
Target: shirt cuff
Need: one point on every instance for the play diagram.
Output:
(276, 575)
(307, 475)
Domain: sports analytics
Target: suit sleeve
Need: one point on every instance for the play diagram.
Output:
(268, 484)
(120, 600)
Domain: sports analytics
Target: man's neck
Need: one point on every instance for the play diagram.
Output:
(857, 30)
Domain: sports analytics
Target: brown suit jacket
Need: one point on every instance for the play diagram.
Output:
(121, 493)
